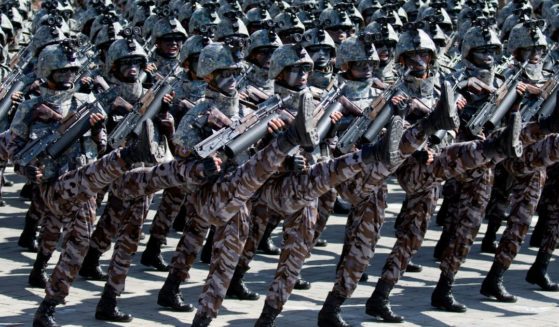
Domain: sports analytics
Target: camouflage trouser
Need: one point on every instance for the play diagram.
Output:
(529, 178)
(170, 206)
(262, 215)
(4, 141)
(475, 188)
(127, 240)
(66, 197)
(191, 242)
(419, 182)
(549, 208)
(367, 194)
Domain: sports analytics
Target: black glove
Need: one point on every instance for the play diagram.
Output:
(209, 167)
(32, 173)
(422, 156)
(295, 163)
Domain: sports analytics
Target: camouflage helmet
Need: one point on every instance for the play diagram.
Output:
(357, 48)
(230, 9)
(412, 8)
(125, 47)
(13, 14)
(185, 11)
(413, 40)
(511, 21)
(288, 21)
(277, 7)
(192, 46)
(46, 35)
(141, 15)
(56, 56)
(509, 9)
(258, 17)
(250, 4)
(216, 56)
(553, 24)
(437, 16)
(228, 28)
(368, 5)
(385, 31)
(318, 37)
(391, 17)
(202, 19)
(527, 34)
(479, 36)
(107, 18)
(166, 26)
(334, 17)
(263, 38)
(288, 55)
(107, 33)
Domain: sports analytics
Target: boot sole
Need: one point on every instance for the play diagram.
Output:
(445, 308)
(103, 318)
(378, 316)
(490, 295)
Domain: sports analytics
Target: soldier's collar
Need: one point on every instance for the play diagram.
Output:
(419, 87)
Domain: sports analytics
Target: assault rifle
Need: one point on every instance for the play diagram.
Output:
(373, 119)
(545, 104)
(492, 111)
(146, 108)
(13, 81)
(326, 108)
(73, 127)
(240, 135)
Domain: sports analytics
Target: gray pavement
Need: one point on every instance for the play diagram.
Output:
(411, 297)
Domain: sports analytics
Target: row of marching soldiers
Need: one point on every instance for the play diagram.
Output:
(249, 114)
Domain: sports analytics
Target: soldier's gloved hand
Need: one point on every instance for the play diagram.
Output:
(295, 163)
(151, 68)
(96, 119)
(335, 117)
(209, 167)
(398, 99)
(521, 89)
(461, 102)
(422, 156)
(45, 114)
(275, 126)
(166, 124)
(17, 98)
(32, 173)
(167, 101)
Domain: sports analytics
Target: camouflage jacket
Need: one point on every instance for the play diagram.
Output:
(25, 129)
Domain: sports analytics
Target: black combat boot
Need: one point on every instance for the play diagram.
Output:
(378, 304)
(414, 267)
(444, 116)
(237, 289)
(493, 284)
(267, 317)
(442, 297)
(341, 207)
(321, 243)
(538, 273)
(387, 150)
(107, 309)
(38, 277)
(489, 243)
(329, 315)
(90, 267)
(206, 254)
(201, 320)
(170, 295)
(266, 245)
(44, 317)
(145, 149)
(302, 284)
(152, 255)
(28, 238)
(506, 142)
(364, 277)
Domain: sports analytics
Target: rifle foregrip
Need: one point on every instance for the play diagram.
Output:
(6, 102)
(249, 137)
(325, 122)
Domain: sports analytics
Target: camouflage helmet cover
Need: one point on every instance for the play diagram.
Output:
(123, 48)
(332, 17)
(228, 27)
(413, 40)
(288, 55)
(478, 36)
(263, 38)
(527, 34)
(216, 56)
(46, 35)
(357, 48)
(318, 37)
(56, 56)
(201, 18)
(193, 45)
(385, 30)
(167, 25)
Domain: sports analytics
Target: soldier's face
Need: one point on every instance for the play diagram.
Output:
(484, 57)
(532, 54)
(320, 55)
(263, 57)
(64, 78)
(361, 70)
(226, 80)
(340, 33)
(418, 62)
(129, 69)
(170, 46)
(385, 52)
(296, 76)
